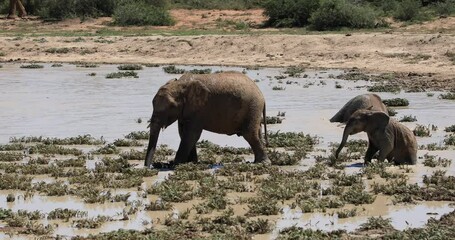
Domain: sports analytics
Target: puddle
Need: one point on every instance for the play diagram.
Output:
(63, 102)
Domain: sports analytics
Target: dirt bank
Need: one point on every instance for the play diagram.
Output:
(427, 56)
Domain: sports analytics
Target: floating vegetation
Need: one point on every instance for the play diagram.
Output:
(377, 223)
(53, 149)
(57, 65)
(11, 156)
(292, 140)
(92, 74)
(259, 226)
(408, 118)
(284, 158)
(422, 131)
(200, 71)
(171, 69)
(158, 205)
(450, 129)
(357, 195)
(58, 188)
(433, 161)
(450, 140)
(294, 71)
(130, 67)
(87, 65)
(273, 120)
(433, 147)
(31, 66)
(86, 139)
(262, 206)
(347, 213)
(126, 74)
(448, 96)
(138, 135)
(396, 102)
(12, 147)
(58, 50)
(127, 143)
(95, 222)
(151, 65)
(384, 88)
(173, 191)
(278, 88)
(294, 232)
(107, 149)
(66, 214)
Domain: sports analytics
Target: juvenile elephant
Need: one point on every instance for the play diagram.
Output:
(228, 103)
(394, 141)
(365, 101)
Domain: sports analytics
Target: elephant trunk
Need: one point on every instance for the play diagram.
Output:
(153, 139)
(346, 132)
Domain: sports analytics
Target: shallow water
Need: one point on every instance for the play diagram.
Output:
(62, 102)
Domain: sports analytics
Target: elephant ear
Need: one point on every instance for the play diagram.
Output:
(195, 96)
(378, 120)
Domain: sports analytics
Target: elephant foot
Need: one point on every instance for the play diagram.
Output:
(265, 161)
(11, 17)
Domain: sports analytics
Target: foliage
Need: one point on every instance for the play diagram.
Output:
(289, 13)
(333, 14)
(141, 13)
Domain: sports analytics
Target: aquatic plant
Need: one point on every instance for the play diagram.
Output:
(32, 66)
(392, 112)
(107, 149)
(377, 223)
(384, 88)
(294, 71)
(200, 71)
(126, 74)
(130, 67)
(11, 156)
(259, 226)
(86, 139)
(127, 143)
(173, 191)
(158, 205)
(450, 128)
(53, 149)
(449, 140)
(357, 195)
(262, 206)
(86, 65)
(273, 120)
(408, 118)
(14, 181)
(284, 158)
(95, 222)
(433, 147)
(294, 232)
(422, 131)
(57, 65)
(292, 140)
(171, 69)
(433, 161)
(278, 88)
(448, 96)
(138, 135)
(396, 102)
(347, 213)
(58, 188)
(151, 65)
(66, 214)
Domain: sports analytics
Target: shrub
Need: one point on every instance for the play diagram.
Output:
(289, 13)
(216, 4)
(445, 8)
(333, 14)
(407, 10)
(141, 13)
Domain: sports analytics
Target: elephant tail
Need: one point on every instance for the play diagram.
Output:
(265, 127)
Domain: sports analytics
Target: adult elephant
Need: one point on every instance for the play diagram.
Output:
(394, 141)
(13, 5)
(227, 103)
(365, 101)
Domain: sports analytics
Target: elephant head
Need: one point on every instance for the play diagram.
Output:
(173, 100)
(363, 120)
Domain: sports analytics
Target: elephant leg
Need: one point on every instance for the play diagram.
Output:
(21, 8)
(254, 139)
(370, 153)
(12, 9)
(190, 136)
(384, 152)
(193, 153)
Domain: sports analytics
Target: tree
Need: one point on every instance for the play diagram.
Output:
(13, 5)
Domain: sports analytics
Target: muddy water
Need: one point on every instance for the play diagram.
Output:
(62, 102)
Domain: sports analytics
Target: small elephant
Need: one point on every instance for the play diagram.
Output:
(227, 103)
(365, 101)
(394, 141)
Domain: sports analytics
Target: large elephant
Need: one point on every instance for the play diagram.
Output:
(227, 103)
(365, 101)
(13, 5)
(394, 141)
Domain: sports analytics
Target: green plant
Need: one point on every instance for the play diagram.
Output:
(171, 69)
(58, 50)
(449, 96)
(408, 118)
(289, 13)
(384, 88)
(407, 10)
(333, 14)
(122, 74)
(31, 66)
(141, 13)
(396, 102)
(422, 131)
(130, 67)
(450, 140)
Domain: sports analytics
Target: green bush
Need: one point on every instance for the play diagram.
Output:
(141, 13)
(289, 13)
(407, 10)
(444, 8)
(216, 4)
(333, 14)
